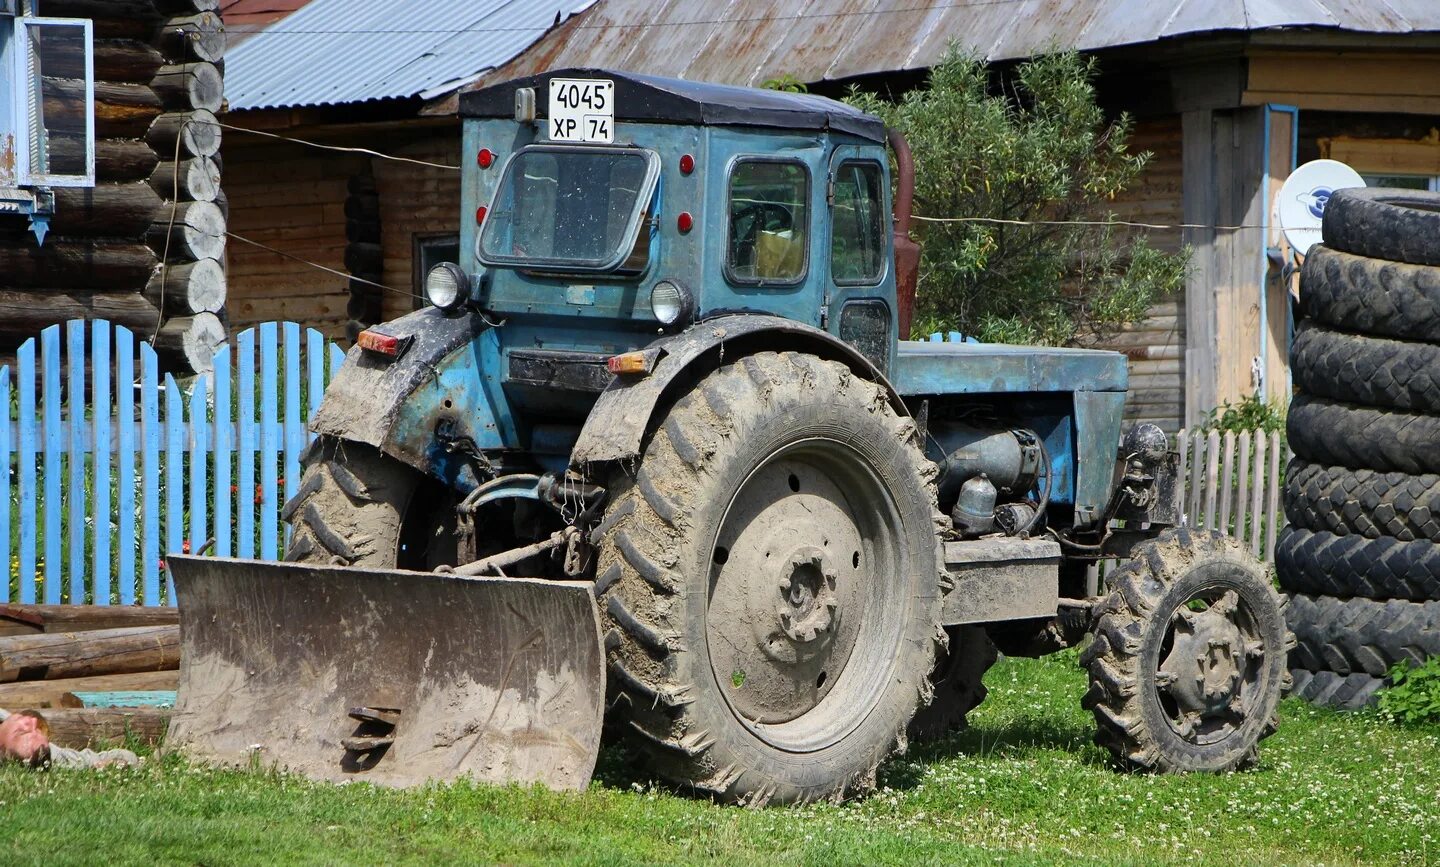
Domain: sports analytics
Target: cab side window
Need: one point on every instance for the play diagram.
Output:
(857, 234)
(769, 222)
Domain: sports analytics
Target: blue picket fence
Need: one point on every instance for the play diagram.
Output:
(109, 471)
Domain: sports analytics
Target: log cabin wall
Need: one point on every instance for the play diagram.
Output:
(157, 192)
(1156, 344)
(291, 198)
(416, 203)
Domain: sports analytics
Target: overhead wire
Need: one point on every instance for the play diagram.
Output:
(326, 268)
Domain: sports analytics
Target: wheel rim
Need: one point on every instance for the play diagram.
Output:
(800, 621)
(1210, 665)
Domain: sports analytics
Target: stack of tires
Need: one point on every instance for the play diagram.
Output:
(1361, 554)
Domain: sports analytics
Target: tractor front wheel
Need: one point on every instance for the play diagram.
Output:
(1187, 664)
(771, 579)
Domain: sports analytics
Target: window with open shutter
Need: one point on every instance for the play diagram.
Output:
(53, 98)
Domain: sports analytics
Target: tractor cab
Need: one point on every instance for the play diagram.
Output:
(604, 207)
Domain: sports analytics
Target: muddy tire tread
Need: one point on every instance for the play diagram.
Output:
(1371, 371)
(1361, 636)
(1372, 296)
(1338, 691)
(349, 506)
(1324, 431)
(1365, 503)
(1326, 564)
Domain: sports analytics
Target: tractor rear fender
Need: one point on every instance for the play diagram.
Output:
(434, 385)
(615, 429)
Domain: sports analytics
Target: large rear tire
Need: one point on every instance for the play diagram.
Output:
(771, 578)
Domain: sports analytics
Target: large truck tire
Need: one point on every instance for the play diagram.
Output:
(771, 578)
(1326, 431)
(1188, 661)
(1350, 636)
(959, 683)
(1394, 224)
(1324, 563)
(1338, 691)
(350, 507)
(1365, 503)
(1367, 370)
(1389, 299)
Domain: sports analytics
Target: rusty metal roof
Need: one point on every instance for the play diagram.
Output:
(331, 52)
(751, 41)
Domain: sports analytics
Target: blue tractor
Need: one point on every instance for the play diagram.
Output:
(658, 452)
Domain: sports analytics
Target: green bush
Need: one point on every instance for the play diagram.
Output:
(1032, 147)
(1251, 413)
(1413, 697)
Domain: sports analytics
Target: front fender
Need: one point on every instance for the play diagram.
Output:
(616, 427)
(438, 381)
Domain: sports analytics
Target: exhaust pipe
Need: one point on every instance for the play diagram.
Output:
(907, 252)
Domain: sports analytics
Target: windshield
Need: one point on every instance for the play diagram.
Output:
(570, 208)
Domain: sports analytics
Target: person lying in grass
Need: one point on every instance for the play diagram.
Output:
(25, 737)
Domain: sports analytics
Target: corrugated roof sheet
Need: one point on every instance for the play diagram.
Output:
(343, 51)
(245, 18)
(751, 41)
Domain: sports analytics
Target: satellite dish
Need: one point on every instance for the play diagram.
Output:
(1300, 204)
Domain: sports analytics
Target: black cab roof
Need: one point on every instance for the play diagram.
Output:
(653, 99)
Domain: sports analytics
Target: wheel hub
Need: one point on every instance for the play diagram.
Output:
(1207, 665)
(808, 603)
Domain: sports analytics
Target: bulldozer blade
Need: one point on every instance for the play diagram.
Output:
(394, 677)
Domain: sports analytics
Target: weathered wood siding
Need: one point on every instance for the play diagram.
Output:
(415, 200)
(1156, 344)
(291, 198)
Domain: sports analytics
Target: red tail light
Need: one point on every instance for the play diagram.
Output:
(374, 341)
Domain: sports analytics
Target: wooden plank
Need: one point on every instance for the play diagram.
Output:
(161, 698)
(5, 492)
(293, 422)
(199, 448)
(1182, 445)
(79, 728)
(1227, 484)
(89, 653)
(81, 618)
(100, 401)
(1212, 473)
(25, 363)
(125, 462)
(315, 367)
(245, 494)
(47, 693)
(153, 435)
(269, 440)
(54, 444)
(1243, 482)
(1199, 209)
(174, 477)
(224, 451)
(1197, 479)
(1272, 508)
(75, 495)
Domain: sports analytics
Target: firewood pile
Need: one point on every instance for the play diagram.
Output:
(57, 658)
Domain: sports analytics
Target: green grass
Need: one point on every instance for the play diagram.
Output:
(1022, 786)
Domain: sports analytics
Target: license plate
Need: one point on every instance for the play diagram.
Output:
(582, 110)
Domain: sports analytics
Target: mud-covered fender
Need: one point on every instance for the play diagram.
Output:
(438, 381)
(615, 429)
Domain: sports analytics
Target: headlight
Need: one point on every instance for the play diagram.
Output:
(671, 303)
(446, 286)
